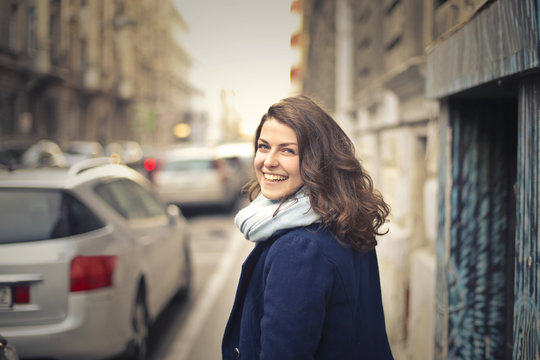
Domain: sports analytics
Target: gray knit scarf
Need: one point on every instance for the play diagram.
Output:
(257, 221)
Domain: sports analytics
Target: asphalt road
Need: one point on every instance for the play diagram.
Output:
(192, 329)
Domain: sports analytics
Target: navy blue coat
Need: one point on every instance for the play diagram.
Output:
(302, 295)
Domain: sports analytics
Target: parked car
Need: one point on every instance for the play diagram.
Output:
(195, 176)
(11, 152)
(79, 150)
(129, 152)
(44, 153)
(240, 156)
(88, 258)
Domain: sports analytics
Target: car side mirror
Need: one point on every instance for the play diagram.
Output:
(174, 212)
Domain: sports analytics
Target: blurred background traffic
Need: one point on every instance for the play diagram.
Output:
(440, 98)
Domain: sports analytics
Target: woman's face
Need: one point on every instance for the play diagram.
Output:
(277, 161)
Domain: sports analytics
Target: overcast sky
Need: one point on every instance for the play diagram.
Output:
(241, 46)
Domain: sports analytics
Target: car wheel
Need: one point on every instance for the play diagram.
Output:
(138, 346)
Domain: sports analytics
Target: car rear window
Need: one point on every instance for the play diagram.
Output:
(188, 165)
(30, 215)
(129, 199)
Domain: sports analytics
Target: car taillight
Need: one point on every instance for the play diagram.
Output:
(149, 164)
(21, 294)
(91, 272)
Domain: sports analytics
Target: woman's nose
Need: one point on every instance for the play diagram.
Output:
(271, 160)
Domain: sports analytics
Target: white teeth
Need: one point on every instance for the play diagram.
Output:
(274, 177)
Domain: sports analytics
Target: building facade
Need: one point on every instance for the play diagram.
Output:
(91, 70)
(483, 70)
(441, 99)
(368, 67)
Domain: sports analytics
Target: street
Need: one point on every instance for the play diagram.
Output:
(193, 329)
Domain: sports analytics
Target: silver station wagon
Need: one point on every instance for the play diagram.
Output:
(88, 258)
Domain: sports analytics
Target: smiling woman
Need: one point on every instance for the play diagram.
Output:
(310, 288)
(277, 163)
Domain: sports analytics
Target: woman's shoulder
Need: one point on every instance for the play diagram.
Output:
(313, 239)
(314, 233)
(300, 253)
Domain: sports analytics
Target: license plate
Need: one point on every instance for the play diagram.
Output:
(5, 297)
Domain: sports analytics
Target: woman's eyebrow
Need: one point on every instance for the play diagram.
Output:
(282, 144)
(288, 144)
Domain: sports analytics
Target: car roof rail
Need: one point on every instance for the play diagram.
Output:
(88, 164)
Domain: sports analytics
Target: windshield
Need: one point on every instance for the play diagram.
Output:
(30, 215)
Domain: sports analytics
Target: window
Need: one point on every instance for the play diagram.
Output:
(130, 199)
(13, 29)
(31, 31)
(31, 215)
(54, 30)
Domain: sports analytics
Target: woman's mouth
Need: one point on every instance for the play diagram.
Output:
(274, 177)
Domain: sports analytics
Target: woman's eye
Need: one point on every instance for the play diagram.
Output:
(290, 151)
(262, 146)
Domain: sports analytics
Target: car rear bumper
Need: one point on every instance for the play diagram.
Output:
(89, 331)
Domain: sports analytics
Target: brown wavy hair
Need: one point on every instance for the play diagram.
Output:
(339, 188)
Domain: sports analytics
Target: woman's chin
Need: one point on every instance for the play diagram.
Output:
(275, 193)
(272, 195)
